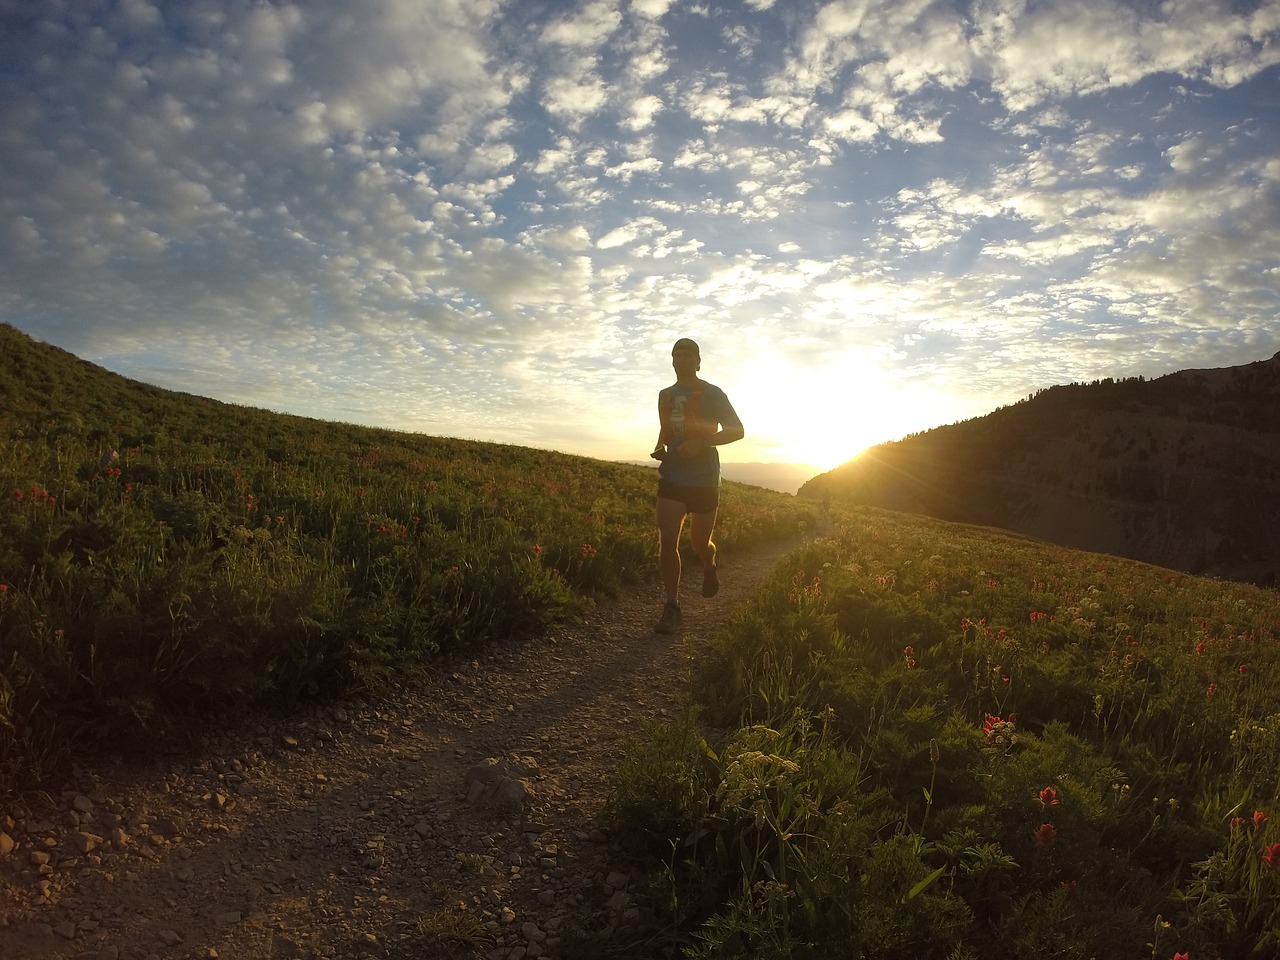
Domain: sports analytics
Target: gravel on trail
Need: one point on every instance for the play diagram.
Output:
(459, 818)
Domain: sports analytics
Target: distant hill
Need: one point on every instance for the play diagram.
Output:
(785, 477)
(1182, 471)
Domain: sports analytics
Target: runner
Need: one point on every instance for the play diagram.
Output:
(695, 418)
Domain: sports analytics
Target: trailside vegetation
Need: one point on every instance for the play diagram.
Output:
(167, 559)
(932, 740)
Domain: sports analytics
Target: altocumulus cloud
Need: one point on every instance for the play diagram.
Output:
(490, 219)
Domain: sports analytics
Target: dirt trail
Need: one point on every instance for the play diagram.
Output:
(378, 829)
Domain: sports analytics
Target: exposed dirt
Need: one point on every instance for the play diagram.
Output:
(377, 829)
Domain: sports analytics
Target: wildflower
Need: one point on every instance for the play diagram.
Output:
(1212, 689)
(1048, 797)
(906, 655)
(1045, 834)
(1182, 956)
(1241, 668)
(4, 588)
(999, 731)
(1237, 823)
(1259, 818)
(1271, 856)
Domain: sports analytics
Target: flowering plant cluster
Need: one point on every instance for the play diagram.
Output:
(1054, 763)
(1000, 732)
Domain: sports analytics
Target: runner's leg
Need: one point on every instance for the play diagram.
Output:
(700, 527)
(671, 515)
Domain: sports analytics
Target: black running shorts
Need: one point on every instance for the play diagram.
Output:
(695, 499)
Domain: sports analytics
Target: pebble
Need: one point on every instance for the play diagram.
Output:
(86, 842)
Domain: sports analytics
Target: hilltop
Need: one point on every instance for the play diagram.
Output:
(1182, 471)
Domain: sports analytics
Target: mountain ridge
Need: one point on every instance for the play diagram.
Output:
(1182, 471)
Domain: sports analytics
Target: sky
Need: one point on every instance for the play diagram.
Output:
(491, 218)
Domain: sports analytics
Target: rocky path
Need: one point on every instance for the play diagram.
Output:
(459, 819)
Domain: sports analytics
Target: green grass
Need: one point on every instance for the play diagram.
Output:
(932, 740)
(165, 559)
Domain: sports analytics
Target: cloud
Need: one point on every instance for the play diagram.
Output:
(438, 212)
(1040, 53)
(594, 23)
(643, 111)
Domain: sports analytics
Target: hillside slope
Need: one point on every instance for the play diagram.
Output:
(1182, 471)
(165, 558)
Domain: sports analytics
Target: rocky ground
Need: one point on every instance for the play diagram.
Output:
(457, 819)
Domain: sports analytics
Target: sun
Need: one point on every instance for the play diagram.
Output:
(826, 414)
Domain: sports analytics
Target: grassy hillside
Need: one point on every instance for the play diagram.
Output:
(1182, 471)
(166, 557)
(932, 740)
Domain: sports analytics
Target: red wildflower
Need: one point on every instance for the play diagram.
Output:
(1211, 690)
(906, 655)
(1045, 834)
(1259, 818)
(1271, 856)
(1237, 823)
(1048, 797)
(1182, 956)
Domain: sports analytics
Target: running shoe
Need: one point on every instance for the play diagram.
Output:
(710, 581)
(669, 620)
